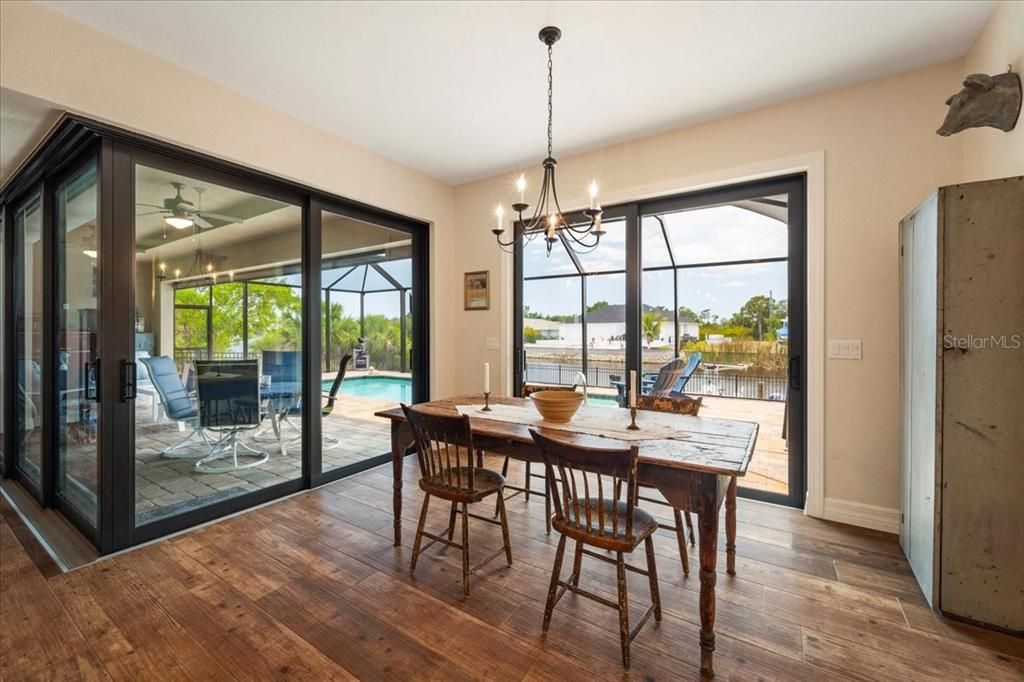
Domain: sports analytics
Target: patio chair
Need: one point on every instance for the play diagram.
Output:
(670, 380)
(177, 405)
(327, 409)
(228, 392)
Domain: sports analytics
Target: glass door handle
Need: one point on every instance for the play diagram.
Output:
(127, 381)
(92, 380)
(794, 373)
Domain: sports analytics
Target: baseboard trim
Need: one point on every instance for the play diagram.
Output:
(863, 515)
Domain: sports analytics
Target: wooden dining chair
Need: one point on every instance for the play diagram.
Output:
(683, 404)
(585, 489)
(448, 470)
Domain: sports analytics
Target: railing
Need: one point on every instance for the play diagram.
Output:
(388, 362)
(701, 383)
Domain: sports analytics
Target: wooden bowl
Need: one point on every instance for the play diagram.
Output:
(557, 406)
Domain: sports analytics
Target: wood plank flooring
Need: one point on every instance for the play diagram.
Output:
(312, 588)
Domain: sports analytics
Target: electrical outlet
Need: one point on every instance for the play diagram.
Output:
(845, 349)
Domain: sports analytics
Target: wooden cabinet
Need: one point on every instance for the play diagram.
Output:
(962, 384)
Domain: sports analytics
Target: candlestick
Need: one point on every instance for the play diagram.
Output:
(487, 377)
(632, 388)
(487, 402)
(632, 420)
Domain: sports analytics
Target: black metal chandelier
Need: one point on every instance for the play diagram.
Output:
(547, 218)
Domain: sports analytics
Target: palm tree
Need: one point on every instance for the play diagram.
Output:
(650, 326)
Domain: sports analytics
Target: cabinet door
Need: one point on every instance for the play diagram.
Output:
(919, 273)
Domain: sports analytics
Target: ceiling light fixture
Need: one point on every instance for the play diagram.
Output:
(547, 217)
(178, 223)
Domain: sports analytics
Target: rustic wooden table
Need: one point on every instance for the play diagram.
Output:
(695, 471)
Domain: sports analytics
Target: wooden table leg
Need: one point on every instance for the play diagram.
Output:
(730, 527)
(397, 462)
(707, 522)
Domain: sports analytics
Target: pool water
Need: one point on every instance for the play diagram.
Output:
(393, 389)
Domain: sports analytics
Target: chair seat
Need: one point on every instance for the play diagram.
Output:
(485, 482)
(643, 525)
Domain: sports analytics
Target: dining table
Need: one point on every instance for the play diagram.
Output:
(693, 461)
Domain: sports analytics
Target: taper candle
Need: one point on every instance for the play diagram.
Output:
(632, 388)
(487, 377)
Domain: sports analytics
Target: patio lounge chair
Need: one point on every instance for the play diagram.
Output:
(177, 405)
(670, 380)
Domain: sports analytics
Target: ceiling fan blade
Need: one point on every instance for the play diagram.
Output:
(219, 216)
(200, 221)
(149, 213)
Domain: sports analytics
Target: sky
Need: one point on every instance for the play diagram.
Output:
(715, 234)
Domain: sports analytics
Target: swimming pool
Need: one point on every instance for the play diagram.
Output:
(399, 389)
(394, 389)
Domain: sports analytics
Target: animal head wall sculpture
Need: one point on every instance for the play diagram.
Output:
(985, 101)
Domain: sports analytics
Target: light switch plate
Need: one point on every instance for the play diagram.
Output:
(492, 343)
(849, 349)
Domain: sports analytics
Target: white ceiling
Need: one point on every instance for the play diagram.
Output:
(457, 89)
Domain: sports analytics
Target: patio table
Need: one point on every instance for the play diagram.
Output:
(695, 469)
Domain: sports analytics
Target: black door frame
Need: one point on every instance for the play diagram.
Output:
(118, 152)
(795, 186)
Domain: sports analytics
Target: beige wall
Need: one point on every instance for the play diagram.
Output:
(882, 157)
(55, 59)
(991, 153)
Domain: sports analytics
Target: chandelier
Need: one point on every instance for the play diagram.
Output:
(547, 218)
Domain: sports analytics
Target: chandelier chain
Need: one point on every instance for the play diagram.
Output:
(550, 96)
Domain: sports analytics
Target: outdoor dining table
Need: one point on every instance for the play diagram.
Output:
(693, 461)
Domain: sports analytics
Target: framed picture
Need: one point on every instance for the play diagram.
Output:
(477, 290)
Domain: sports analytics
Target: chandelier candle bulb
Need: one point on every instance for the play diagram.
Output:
(499, 214)
(521, 188)
(593, 196)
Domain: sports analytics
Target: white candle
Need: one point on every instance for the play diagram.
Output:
(498, 213)
(632, 388)
(593, 195)
(487, 377)
(521, 187)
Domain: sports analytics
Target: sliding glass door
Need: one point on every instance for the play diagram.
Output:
(76, 206)
(184, 338)
(712, 282)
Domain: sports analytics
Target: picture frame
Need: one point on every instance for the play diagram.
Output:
(476, 290)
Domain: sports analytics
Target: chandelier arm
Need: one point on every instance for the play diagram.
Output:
(581, 240)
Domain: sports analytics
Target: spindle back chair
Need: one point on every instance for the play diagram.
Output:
(594, 493)
(449, 469)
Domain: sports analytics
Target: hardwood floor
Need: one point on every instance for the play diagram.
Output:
(311, 587)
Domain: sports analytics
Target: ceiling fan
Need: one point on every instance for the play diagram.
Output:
(180, 213)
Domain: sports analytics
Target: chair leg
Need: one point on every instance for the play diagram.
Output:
(620, 567)
(681, 539)
(652, 575)
(547, 509)
(504, 528)
(419, 534)
(577, 564)
(465, 550)
(504, 472)
(451, 520)
(526, 494)
(553, 589)
(689, 526)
